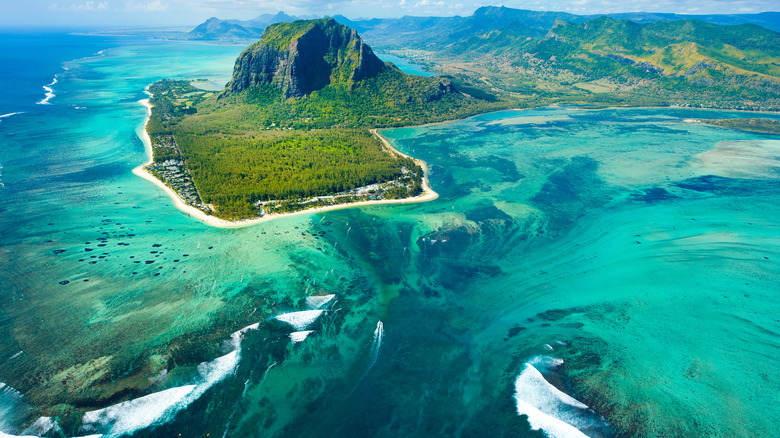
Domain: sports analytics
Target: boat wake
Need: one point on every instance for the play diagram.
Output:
(376, 345)
(551, 410)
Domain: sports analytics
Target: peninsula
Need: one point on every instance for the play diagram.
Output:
(295, 128)
(292, 130)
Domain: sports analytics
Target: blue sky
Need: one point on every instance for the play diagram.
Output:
(192, 12)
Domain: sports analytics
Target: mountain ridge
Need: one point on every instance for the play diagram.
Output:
(304, 56)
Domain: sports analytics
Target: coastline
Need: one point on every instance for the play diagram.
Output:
(427, 195)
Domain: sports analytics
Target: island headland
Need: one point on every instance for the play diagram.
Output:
(295, 130)
(292, 130)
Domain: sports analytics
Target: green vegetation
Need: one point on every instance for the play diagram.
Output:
(256, 146)
(606, 61)
(767, 126)
(252, 149)
(280, 138)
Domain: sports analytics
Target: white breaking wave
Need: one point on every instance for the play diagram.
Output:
(42, 426)
(5, 435)
(9, 115)
(558, 414)
(545, 363)
(160, 407)
(49, 93)
(137, 413)
(235, 337)
(14, 410)
(300, 320)
(552, 426)
(300, 336)
(317, 302)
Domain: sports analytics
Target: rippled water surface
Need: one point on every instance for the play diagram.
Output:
(606, 273)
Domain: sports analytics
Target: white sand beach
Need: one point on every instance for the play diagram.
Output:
(427, 195)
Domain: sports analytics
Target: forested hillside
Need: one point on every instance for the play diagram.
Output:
(283, 133)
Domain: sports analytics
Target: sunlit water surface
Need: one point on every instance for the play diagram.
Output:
(607, 273)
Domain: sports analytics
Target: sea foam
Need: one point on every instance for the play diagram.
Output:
(556, 413)
(137, 413)
(162, 406)
(49, 93)
(42, 426)
(5, 435)
(319, 301)
(300, 320)
(14, 410)
(9, 115)
(300, 336)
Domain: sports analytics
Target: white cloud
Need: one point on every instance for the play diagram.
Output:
(86, 6)
(428, 3)
(152, 6)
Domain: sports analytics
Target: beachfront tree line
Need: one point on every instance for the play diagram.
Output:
(258, 146)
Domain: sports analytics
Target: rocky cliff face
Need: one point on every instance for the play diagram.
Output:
(305, 56)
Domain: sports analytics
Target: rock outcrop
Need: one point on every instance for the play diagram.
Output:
(305, 56)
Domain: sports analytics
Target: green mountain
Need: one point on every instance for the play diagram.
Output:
(293, 123)
(216, 29)
(305, 56)
(437, 33)
(607, 61)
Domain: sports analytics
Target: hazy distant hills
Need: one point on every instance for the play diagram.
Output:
(426, 32)
(216, 29)
(439, 32)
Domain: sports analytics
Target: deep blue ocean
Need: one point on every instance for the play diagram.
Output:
(583, 273)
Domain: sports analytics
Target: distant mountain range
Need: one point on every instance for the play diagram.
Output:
(543, 57)
(216, 29)
(433, 31)
(439, 32)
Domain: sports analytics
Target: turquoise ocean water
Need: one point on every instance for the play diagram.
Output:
(599, 273)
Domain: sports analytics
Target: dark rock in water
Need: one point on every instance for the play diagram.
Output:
(305, 56)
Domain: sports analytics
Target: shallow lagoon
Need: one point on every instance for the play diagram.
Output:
(636, 247)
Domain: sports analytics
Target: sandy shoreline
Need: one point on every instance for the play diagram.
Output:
(427, 195)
